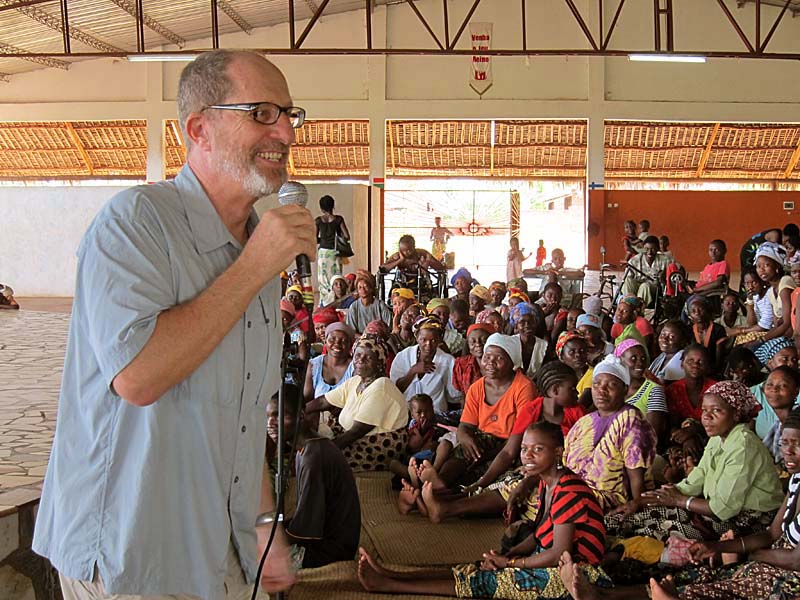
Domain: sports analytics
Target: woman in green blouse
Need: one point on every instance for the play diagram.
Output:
(734, 486)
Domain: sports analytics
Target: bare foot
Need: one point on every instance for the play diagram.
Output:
(371, 580)
(364, 555)
(663, 591)
(413, 473)
(407, 498)
(729, 558)
(428, 474)
(436, 508)
(575, 579)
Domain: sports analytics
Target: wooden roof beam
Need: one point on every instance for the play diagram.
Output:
(792, 162)
(81, 150)
(54, 23)
(41, 60)
(151, 23)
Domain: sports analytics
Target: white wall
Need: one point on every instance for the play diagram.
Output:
(42, 227)
(411, 87)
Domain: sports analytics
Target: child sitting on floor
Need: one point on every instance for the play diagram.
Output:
(422, 434)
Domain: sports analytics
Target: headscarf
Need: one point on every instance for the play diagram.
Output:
(510, 344)
(481, 292)
(462, 272)
(593, 305)
(337, 276)
(288, 307)
(626, 345)
(378, 327)
(483, 316)
(339, 326)
(367, 277)
(373, 345)
(611, 365)
(565, 338)
(588, 319)
(697, 298)
(294, 288)
(6, 290)
(431, 323)
(403, 293)
(793, 260)
(767, 351)
(517, 293)
(325, 316)
(633, 300)
(498, 285)
(773, 251)
(350, 278)
(739, 397)
(516, 283)
(487, 327)
(518, 311)
(436, 303)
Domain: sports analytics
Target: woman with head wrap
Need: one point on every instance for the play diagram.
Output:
(613, 447)
(367, 308)
(490, 411)
(339, 297)
(784, 354)
(770, 259)
(453, 340)
(321, 318)
(591, 326)
(372, 413)
(462, 282)
(643, 393)
(498, 291)
(479, 297)
(425, 368)
(492, 317)
(328, 371)
(402, 298)
(572, 349)
(527, 323)
(627, 321)
(734, 486)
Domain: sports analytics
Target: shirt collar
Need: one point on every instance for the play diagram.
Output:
(208, 230)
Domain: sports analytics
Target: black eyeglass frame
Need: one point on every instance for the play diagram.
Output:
(253, 108)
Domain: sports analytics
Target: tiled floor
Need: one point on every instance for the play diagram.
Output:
(32, 348)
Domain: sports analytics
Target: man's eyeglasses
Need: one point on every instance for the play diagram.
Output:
(267, 113)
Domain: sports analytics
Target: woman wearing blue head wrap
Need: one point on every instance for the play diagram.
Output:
(462, 281)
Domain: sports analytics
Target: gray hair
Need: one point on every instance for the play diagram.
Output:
(204, 82)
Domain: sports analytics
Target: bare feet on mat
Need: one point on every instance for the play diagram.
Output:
(407, 499)
(575, 579)
(413, 473)
(436, 509)
(428, 473)
(370, 579)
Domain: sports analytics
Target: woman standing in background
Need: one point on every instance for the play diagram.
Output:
(329, 263)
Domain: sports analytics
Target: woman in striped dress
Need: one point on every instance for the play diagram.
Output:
(570, 521)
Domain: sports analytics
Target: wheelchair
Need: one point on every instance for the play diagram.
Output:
(425, 283)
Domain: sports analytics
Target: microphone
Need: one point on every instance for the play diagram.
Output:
(295, 193)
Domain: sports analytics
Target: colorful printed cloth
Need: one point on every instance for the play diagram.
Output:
(599, 449)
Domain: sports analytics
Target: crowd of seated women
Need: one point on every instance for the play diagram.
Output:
(627, 459)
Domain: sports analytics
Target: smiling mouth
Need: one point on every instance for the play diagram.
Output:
(271, 156)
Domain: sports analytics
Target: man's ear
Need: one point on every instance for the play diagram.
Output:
(198, 130)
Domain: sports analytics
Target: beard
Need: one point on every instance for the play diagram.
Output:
(256, 183)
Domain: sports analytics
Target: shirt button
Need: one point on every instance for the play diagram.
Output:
(244, 428)
(248, 376)
(249, 324)
(236, 479)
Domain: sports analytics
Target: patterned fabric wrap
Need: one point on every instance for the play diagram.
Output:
(588, 319)
(766, 351)
(626, 345)
(325, 316)
(376, 346)
(565, 338)
(772, 251)
(483, 316)
(403, 293)
(481, 292)
(633, 300)
(518, 583)
(429, 323)
(739, 397)
(378, 327)
(329, 266)
(436, 303)
(517, 312)
(288, 307)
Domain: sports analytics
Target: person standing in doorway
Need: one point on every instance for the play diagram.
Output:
(439, 236)
(329, 225)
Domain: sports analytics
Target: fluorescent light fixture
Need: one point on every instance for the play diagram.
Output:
(162, 57)
(681, 58)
